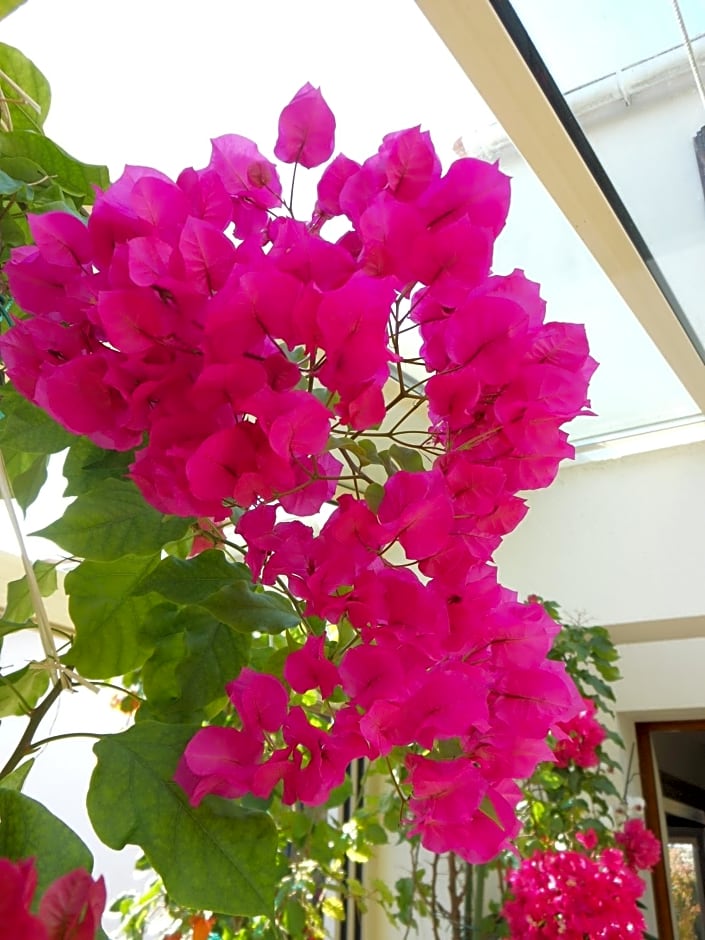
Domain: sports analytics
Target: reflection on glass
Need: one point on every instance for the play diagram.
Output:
(682, 862)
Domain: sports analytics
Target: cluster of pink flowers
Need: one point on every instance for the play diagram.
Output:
(589, 895)
(581, 736)
(641, 848)
(227, 343)
(70, 908)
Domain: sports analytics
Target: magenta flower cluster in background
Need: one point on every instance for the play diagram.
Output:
(581, 737)
(234, 346)
(588, 895)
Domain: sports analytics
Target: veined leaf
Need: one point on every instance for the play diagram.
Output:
(216, 856)
(25, 90)
(75, 178)
(192, 580)
(27, 428)
(112, 634)
(188, 670)
(245, 609)
(113, 520)
(86, 465)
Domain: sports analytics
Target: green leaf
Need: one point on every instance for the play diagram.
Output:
(192, 580)
(22, 689)
(111, 622)
(27, 428)
(21, 81)
(19, 602)
(112, 520)
(191, 665)
(332, 906)
(245, 609)
(27, 485)
(294, 918)
(16, 779)
(212, 857)
(86, 465)
(17, 188)
(75, 178)
(406, 458)
(28, 829)
(373, 496)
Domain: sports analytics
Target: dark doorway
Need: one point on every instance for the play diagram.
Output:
(672, 769)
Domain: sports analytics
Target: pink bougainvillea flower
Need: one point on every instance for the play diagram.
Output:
(244, 172)
(308, 668)
(207, 254)
(583, 735)
(418, 511)
(208, 198)
(261, 701)
(330, 184)
(306, 129)
(368, 673)
(18, 881)
(470, 188)
(641, 848)
(71, 907)
(62, 239)
(570, 895)
(587, 839)
(411, 163)
(219, 760)
(77, 394)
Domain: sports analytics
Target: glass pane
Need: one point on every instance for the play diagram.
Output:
(625, 73)
(165, 83)
(683, 867)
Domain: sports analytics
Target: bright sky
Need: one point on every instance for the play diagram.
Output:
(163, 76)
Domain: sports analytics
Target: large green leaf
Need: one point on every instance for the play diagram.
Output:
(28, 429)
(87, 465)
(111, 635)
(112, 520)
(19, 602)
(22, 86)
(21, 690)
(245, 609)
(28, 829)
(191, 665)
(212, 857)
(75, 178)
(191, 580)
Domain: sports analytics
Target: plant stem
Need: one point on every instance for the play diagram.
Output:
(61, 737)
(480, 877)
(24, 745)
(468, 927)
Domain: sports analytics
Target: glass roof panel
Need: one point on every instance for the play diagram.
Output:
(154, 86)
(625, 72)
